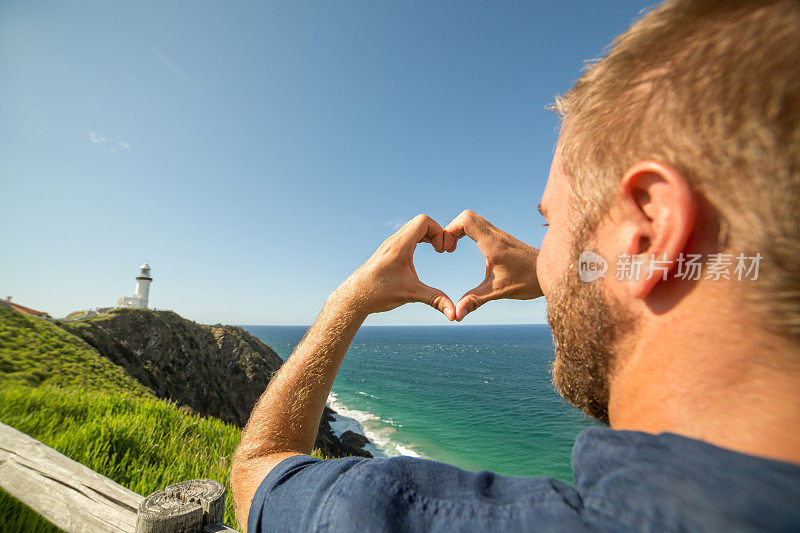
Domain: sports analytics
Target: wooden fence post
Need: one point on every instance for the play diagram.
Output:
(183, 507)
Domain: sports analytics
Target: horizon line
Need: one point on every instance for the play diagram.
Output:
(402, 325)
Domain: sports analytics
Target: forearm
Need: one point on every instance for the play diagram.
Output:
(286, 417)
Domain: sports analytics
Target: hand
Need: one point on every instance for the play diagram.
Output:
(510, 263)
(388, 279)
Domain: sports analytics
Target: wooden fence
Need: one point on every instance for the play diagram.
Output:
(76, 498)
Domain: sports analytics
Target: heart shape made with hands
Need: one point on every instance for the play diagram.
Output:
(510, 263)
(450, 274)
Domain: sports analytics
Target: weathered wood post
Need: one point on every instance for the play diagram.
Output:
(184, 507)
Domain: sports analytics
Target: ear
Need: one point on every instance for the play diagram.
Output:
(659, 209)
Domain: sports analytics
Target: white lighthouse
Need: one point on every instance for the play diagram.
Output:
(142, 293)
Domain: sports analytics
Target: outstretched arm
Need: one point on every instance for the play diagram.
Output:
(286, 418)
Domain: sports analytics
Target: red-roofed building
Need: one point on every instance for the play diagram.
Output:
(23, 309)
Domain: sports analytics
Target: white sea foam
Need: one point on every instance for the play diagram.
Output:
(377, 430)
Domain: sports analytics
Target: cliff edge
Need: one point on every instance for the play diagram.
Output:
(218, 371)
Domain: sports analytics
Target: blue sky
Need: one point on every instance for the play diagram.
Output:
(257, 153)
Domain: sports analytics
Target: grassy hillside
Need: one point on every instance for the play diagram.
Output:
(59, 390)
(36, 352)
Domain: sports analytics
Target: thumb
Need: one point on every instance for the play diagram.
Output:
(436, 299)
(473, 299)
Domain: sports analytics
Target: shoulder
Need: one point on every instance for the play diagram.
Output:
(405, 493)
(673, 482)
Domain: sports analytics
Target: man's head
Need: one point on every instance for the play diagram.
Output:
(684, 139)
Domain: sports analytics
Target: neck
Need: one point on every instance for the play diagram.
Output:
(712, 379)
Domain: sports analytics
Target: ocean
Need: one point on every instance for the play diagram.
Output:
(477, 397)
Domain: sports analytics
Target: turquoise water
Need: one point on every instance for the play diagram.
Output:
(478, 397)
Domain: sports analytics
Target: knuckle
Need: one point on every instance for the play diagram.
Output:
(405, 298)
(389, 247)
(433, 300)
(473, 302)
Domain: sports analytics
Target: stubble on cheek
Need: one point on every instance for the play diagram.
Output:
(588, 327)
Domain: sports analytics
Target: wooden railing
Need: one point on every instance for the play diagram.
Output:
(76, 498)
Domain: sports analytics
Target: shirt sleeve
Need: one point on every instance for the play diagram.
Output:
(292, 491)
(405, 494)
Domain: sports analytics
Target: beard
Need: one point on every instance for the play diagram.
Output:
(588, 328)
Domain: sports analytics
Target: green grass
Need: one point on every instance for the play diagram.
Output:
(141, 443)
(36, 352)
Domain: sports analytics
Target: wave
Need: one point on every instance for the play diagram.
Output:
(376, 429)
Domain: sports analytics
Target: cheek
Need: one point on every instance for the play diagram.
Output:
(547, 263)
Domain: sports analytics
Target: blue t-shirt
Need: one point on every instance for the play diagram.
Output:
(624, 480)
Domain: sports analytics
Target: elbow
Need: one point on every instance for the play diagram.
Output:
(237, 463)
(241, 478)
(249, 467)
(247, 471)
(236, 472)
(237, 485)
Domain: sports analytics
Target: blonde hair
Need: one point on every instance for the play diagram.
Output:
(711, 87)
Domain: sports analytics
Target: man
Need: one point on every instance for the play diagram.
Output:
(680, 149)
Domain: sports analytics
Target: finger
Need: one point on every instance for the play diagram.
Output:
(470, 224)
(450, 241)
(423, 228)
(473, 299)
(436, 299)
